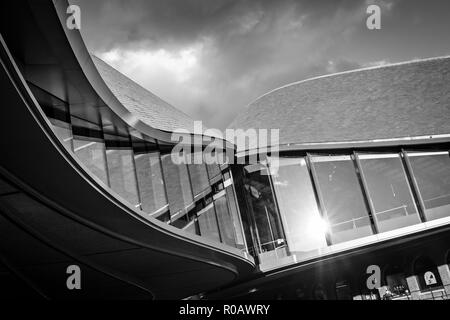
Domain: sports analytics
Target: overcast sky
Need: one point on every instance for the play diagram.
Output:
(210, 58)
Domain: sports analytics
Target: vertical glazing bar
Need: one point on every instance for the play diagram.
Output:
(277, 208)
(319, 197)
(414, 186)
(104, 149)
(237, 210)
(133, 161)
(163, 177)
(366, 194)
(217, 221)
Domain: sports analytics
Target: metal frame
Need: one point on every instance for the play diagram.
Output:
(366, 194)
(319, 196)
(414, 186)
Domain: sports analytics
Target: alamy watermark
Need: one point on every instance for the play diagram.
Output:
(212, 146)
(373, 21)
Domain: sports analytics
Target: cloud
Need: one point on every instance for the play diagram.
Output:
(211, 58)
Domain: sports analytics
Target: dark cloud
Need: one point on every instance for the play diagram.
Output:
(210, 58)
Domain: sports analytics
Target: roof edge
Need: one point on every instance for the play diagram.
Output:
(348, 72)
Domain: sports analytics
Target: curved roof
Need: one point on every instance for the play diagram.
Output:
(148, 107)
(395, 101)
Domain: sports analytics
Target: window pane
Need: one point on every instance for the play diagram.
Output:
(235, 217)
(198, 174)
(213, 170)
(304, 227)
(342, 197)
(432, 173)
(389, 191)
(122, 175)
(192, 227)
(63, 131)
(150, 181)
(92, 154)
(225, 221)
(208, 224)
(177, 185)
(268, 223)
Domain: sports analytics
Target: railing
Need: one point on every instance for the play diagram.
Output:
(351, 221)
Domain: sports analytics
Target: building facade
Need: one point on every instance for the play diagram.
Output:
(362, 172)
(360, 181)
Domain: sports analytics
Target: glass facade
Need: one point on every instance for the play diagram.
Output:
(296, 211)
(388, 191)
(236, 217)
(225, 220)
(63, 131)
(198, 174)
(310, 204)
(305, 228)
(208, 223)
(340, 192)
(431, 171)
(150, 182)
(270, 240)
(91, 153)
(178, 186)
(122, 174)
(191, 197)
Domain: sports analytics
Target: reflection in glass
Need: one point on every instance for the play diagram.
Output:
(150, 181)
(268, 223)
(198, 174)
(432, 173)
(122, 176)
(225, 221)
(92, 154)
(304, 227)
(63, 131)
(342, 197)
(231, 199)
(208, 223)
(178, 186)
(213, 170)
(192, 227)
(389, 191)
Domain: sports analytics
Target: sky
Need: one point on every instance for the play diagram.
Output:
(211, 58)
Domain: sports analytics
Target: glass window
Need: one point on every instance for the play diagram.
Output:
(225, 221)
(57, 112)
(231, 199)
(192, 227)
(388, 191)
(342, 198)
(165, 217)
(92, 154)
(432, 173)
(304, 227)
(63, 131)
(198, 174)
(213, 170)
(208, 223)
(150, 181)
(178, 185)
(268, 223)
(122, 174)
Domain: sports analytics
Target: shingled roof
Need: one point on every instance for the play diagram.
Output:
(148, 107)
(394, 101)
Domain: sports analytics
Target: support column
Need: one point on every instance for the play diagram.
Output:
(414, 289)
(444, 272)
